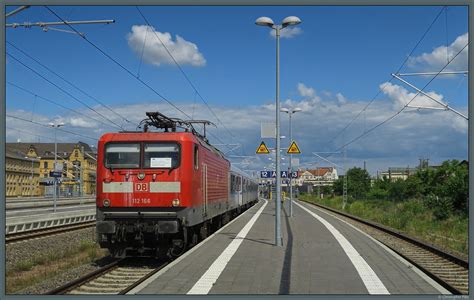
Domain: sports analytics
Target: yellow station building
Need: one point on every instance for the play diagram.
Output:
(78, 166)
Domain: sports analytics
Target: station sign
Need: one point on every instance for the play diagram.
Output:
(293, 149)
(55, 174)
(262, 149)
(283, 174)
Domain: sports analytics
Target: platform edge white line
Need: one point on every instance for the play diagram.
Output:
(207, 280)
(146, 282)
(415, 269)
(370, 279)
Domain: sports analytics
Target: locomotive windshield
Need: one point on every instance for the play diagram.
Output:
(122, 155)
(161, 155)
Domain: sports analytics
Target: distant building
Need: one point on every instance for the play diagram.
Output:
(78, 160)
(319, 176)
(395, 173)
(22, 175)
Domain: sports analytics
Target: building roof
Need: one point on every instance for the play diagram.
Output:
(10, 153)
(320, 171)
(46, 150)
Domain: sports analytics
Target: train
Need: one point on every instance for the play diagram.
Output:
(161, 192)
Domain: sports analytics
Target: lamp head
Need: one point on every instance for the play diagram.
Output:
(289, 21)
(284, 110)
(264, 21)
(297, 109)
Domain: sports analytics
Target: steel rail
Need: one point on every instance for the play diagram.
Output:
(42, 233)
(61, 290)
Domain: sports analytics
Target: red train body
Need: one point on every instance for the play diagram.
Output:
(163, 191)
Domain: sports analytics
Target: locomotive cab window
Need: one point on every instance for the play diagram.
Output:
(196, 158)
(122, 155)
(161, 155)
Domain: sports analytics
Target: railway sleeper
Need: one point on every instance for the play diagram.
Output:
(111, 285)
(74, 292)
(98, 290)
(117, 280)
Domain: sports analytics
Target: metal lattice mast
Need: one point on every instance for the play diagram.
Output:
(344, 186)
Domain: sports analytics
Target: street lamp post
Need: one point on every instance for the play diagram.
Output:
(288, 21)
(290, 114)
(55, 194)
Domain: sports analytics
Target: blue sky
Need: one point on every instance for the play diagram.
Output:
(333, 64)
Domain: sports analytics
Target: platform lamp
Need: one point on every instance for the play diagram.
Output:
(288, 21)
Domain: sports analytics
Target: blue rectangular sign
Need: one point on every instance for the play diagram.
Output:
(55, 174)
(283, 174)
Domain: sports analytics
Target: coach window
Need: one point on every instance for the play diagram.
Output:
(196, 158)
(161, 155)
(232, 183)
(122, 155)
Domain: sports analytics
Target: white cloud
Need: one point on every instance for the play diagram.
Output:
(305, 91)
(340, 98)
(437, 135)
(438, 58)
(81, 122)
(184, 52)
(287, 32)
(400, 96)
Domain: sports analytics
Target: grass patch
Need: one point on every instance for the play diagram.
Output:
(25, 265)
(411, 217)
(30, 273)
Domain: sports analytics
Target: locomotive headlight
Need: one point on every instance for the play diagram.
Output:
(175, 202)
(106, 202)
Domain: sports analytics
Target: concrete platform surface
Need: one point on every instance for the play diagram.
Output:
(320, 255)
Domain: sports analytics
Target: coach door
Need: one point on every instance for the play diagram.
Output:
(239, 189)
(204, 189)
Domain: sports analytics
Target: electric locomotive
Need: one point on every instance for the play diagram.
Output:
(164, 191)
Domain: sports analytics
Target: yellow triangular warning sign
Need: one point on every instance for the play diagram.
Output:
(262, 149)
(293, 149)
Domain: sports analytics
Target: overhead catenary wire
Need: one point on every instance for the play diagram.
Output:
(125, 69)
(380, 90)
(405, 106)
(63, 90)
(67, 81)
(118, 63)
(183, 73)
(47, 126)
(143, 51)
(57, 104)
(32, 134)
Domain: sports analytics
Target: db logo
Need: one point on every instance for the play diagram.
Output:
(141, 187)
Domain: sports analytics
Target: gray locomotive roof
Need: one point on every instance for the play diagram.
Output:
(235, 169)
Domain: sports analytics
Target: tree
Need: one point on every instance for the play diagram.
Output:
(358, 183)
(397, 190)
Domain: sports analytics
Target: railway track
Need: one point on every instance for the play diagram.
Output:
(116, 278)
(29, 235)
(448, 269)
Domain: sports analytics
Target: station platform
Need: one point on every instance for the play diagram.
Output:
(321, 254)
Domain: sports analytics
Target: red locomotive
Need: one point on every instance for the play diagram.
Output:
(164, 191)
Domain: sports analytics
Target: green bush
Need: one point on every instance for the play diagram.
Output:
(24, 265)
(442, 207)
(377, 193)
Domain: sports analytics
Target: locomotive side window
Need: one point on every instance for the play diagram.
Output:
(196, 158)
(122, 155)
(161, 155)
